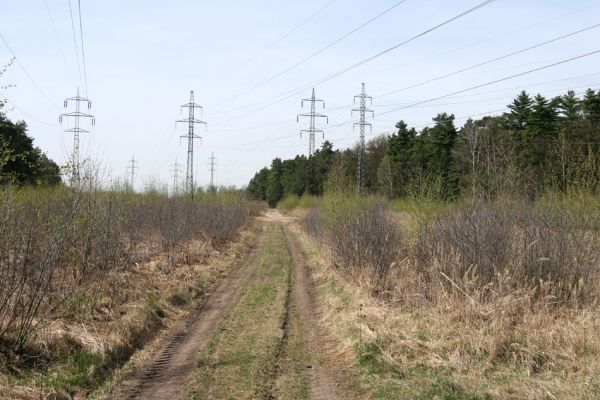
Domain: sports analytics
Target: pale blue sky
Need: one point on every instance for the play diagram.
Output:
(143, 58)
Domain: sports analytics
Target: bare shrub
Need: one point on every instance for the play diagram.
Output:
(55, 243)
(364, 239)
(220, 219)
(548, 251)
(313, 222)
(552, 247)
(480, 237)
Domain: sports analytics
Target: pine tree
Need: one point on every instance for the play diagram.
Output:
(439, 146)
(401, 149)
(274, 186)
(257, 188)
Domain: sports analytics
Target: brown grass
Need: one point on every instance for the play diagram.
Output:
(489, 301)
(130, 307)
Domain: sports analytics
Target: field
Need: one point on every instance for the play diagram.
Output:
(337, 297)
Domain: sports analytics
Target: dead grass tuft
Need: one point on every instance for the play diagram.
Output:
(496, 300)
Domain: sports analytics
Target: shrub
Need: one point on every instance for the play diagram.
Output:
(549, 250)
(364, 239)
(313, 223)
(58, 242)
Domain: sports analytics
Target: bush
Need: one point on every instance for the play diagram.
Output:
(58, 242)
(485, 248)
(364, 239)
(313, 223)
(548, 250)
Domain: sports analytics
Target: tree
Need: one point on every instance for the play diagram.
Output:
(376, 149)
(469, 141)
(520, 111)
(319, 165)
(274, 186)
(20, 161)
(569, 106)
(257, 188)
(401, 152)
(439, 146)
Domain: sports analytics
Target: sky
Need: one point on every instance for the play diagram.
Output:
(142, 59)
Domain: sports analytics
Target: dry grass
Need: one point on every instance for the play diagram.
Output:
(97, 332)
(524, 325)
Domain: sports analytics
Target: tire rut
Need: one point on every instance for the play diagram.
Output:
(166, 375)
(322, 378)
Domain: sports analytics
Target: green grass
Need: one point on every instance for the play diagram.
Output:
(243, 358)
(291, 202)
(387, 382)
(77, 372)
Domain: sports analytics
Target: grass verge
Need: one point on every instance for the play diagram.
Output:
(348, 316)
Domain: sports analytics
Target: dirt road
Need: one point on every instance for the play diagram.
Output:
(256, 336)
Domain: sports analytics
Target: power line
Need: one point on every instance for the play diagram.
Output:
(321, 50)
(504, 109)
(75, 43)
(39, 89)
(56, 39)
(489, 61)
(82, 47)
(520, 87)
(456, 49)
(22, 111)
(287, 121)
(494, 81)
(276, 42)
(244, 146)
(356, 65)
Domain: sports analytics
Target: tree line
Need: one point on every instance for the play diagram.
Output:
(539, 144)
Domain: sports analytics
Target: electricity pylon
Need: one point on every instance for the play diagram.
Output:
(312, 115)
(212, 167)
(76, 130)
(363, 111)
(175, 171)
(132, 167)
(191, 121)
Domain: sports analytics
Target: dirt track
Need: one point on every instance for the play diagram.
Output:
(168, 374)
(321, 377)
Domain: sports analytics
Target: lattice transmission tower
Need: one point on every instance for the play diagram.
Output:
(362, 123)
(175, 171)
(132, 167)
(212, 168)
(191, 121)
(313, 115)
(76, 131)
